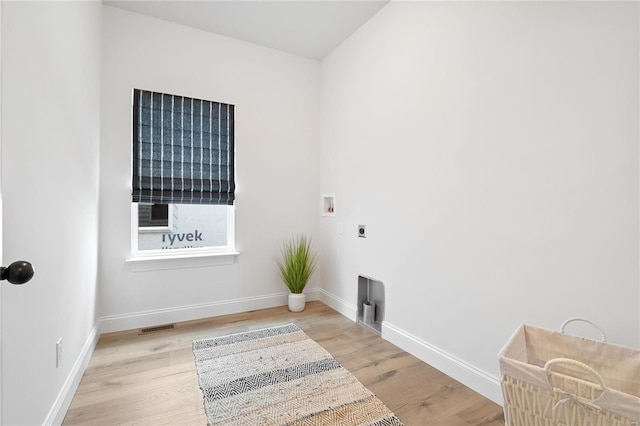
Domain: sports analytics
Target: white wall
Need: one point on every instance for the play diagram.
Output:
(513, 197)
(277, 117)
(50, 137)
(492, 150)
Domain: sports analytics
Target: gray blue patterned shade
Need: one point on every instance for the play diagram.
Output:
(183, 150)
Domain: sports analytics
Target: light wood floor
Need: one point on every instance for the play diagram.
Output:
(151, 379)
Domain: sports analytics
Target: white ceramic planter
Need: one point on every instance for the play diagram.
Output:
(296, 302)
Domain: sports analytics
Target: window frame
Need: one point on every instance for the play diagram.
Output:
(157, 259)
(229, 248)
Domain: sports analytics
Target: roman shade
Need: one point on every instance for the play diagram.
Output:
(183, 150)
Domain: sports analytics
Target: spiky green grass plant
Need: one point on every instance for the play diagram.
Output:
(297, 263)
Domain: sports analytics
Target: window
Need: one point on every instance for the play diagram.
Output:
(153, 217)
(183, 176)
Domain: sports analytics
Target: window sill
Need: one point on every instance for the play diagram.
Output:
(189, 260)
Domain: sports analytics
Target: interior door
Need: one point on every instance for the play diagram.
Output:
(17, 272)
(1, 258)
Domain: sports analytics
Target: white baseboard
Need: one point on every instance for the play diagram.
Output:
(467, 374)
(470, 376)
(192, 312)
(63, 401)
(461, 371)
(347, 309)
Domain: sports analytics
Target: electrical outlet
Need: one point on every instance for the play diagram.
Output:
(362, 231)
(59, 352)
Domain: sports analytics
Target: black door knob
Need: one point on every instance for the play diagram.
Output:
(19, 272)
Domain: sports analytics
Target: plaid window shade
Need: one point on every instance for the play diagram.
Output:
(183, 150)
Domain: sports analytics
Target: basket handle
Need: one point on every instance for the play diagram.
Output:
(594, 373)
(574, 319)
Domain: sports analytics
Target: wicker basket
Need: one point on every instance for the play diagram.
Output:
(550, 378)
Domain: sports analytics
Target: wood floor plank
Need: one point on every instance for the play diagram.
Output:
(151, 379)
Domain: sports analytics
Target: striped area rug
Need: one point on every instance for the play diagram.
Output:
(279, 376)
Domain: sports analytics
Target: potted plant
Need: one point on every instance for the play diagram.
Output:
(296, 264)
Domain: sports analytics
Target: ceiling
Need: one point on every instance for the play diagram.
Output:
(305, 28)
